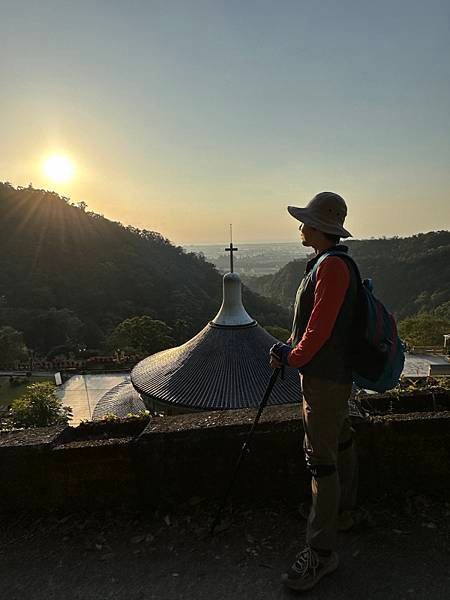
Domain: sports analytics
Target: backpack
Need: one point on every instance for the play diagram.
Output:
(378, 354)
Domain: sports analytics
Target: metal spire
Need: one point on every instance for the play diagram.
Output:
(232, 312)
(231, 249)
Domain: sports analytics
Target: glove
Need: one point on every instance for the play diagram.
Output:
(281, 352)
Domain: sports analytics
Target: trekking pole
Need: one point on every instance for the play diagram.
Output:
(245, 446)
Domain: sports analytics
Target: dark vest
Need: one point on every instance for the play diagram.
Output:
(332, 361)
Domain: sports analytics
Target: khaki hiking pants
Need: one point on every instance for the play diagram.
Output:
(330, 457)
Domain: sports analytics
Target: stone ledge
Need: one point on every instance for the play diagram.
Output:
(168, 460)
(38, 438)
(93, 443)
(231, 419)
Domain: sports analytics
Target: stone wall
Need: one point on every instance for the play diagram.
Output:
(164, 461)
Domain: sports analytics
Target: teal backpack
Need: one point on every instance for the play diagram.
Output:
(378, 354)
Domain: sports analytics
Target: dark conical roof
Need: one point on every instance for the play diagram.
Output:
(222, 367)
(121, 400)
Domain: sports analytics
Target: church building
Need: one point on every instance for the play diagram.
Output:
(225, 366)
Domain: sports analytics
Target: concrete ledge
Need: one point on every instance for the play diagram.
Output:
(420, 401)
(405, 451)
(441, 369)
(166, 461)
(39, 438)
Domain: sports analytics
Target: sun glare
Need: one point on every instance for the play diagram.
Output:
(59, 168)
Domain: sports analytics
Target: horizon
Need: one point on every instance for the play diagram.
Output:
(177, 117)
(220, 243)
(343, 241)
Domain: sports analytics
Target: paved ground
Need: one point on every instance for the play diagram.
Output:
(403, 554)
(82, 392)
(418, 365)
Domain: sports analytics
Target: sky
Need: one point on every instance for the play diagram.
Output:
(185, 116)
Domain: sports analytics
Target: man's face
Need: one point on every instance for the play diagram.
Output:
(307, 234)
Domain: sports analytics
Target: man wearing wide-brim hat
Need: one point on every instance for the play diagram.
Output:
(319, 347)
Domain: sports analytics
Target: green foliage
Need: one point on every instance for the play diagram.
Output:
(12, 347)
(39, 407)
(58, 328)
(111, 417)
(424, 329)
(68, 277)
(410, 275)
(181, 331)
(282, 285)
(443, 311)
(412, 385)
(141, 335)
(280, 333)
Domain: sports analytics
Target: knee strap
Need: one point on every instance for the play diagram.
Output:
(320, 470)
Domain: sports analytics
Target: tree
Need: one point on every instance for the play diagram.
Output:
(68, 276)
(141, 335)
(424, 329)
(12, 347)
(181, 330)
(57, 327)
(39, 407)
(443, 311)
(280, 333)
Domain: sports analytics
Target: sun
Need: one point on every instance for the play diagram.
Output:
(59, 168)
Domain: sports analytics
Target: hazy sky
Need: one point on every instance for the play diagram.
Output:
(185, 116)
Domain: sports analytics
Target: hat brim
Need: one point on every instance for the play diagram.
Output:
(304, 216)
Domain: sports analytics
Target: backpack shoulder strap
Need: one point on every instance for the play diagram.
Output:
(343, 255)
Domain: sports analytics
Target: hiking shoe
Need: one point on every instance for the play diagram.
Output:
(308, 569)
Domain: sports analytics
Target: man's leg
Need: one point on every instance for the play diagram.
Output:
(325, 408)
(350, 514)
(348, 480)
(347, 468)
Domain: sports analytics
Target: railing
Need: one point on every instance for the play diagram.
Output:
(65, 364)
(442, 370)
(440, 350)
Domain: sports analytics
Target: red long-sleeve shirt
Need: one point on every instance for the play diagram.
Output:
(332, 281)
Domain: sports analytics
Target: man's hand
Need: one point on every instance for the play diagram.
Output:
(279, 355)
(274, 362)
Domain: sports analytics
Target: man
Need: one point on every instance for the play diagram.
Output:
(319, 347)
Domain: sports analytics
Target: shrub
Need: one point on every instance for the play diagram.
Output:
(278, 332)
(424, 329)
(39, 407)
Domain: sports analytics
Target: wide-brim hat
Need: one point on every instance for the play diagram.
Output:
(325, 212)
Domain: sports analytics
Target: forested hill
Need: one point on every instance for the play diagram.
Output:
(66, 273)
(409, 274)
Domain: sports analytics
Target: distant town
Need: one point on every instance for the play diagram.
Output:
(251, 259)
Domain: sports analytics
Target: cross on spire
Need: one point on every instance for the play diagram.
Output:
(231, 249)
